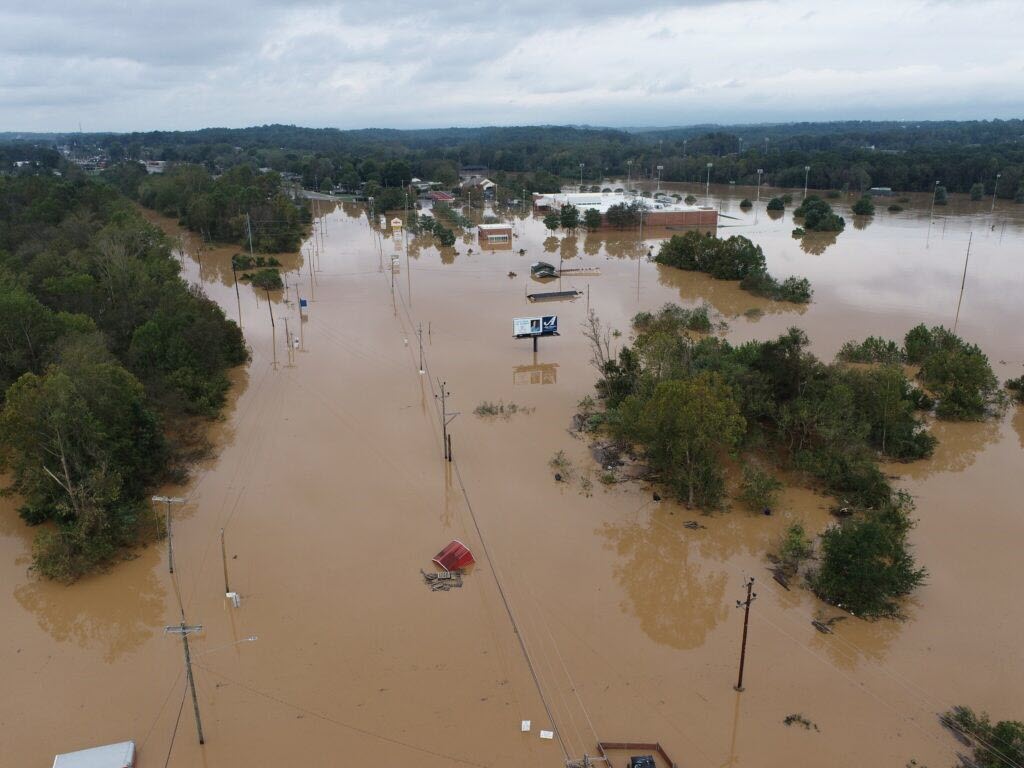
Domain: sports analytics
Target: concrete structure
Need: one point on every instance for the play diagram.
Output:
(658, 212)
(156, 166)
(495, 235)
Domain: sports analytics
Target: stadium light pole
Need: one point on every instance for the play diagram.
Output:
(581, 176)
(660, 169)
(994, 188)
(807, 175)
(707, 185)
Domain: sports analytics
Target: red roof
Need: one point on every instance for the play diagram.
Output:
(441, 197)
(456, 555)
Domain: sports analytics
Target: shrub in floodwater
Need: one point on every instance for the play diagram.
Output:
(977, 191)
(267, 279)
(994, 745)
(957, 373)
(794, 548)
(776, 204)
(798, 232)
(865, 206)
(690, 199)
(832, 194)
(818, 215)
(499, 409)
(745, 203)
(1016, 387)
(874, 349)
(799, 719)
(866, 565)
(758, 489)
(561, 465)
(941, 195)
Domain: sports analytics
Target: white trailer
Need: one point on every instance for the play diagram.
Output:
(120, 755)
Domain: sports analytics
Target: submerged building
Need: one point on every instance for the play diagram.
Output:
(661, 211)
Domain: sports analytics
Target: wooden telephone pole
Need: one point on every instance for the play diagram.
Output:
(446, 419)
(168, 500)
(745, 604)
(184, 629)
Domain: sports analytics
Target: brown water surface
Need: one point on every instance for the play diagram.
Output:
(330, 484)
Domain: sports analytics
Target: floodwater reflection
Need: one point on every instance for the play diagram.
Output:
(815, 243)
(675, 602)
(114, 614)
(538, 373)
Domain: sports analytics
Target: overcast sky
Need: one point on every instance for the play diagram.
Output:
(143, 65)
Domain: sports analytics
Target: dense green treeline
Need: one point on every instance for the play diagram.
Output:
(105, 356)
(221, 208)
(852, 155)
(695, 405)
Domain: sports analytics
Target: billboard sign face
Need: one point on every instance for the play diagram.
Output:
(524, 327)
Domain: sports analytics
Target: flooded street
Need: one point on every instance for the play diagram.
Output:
(329, 481)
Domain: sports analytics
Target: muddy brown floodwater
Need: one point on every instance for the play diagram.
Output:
(330, 484)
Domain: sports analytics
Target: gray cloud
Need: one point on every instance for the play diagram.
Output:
(140, 64)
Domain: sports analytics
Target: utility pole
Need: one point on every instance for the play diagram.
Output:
(224, 559)
(995, 187)
(273, 328)
(288, 340)
(168, 500)
(248, 229)
(807, 175)
(759, 172)
(419, 333)
(745, 604)
(963, 282)
(707, 185)
(629, 172)
(302, 331)
(184, 630)
(446, 419)
(660, 169)
(238, 296)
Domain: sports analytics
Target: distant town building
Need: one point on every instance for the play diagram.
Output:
(440, 197)
(880, 191)
(477, 184)
(472, 170)
(156, 166)
(661, 212)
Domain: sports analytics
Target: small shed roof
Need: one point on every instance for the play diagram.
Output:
(456, 555)
(120, 755)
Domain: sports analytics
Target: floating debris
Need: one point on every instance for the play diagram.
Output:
(799, 719)
(693, 525)
(442, 582)
(825, 625)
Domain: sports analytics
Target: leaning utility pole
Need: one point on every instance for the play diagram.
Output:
(184, 629)
(168, 500)
(745, 604)
(248, 229)
(273, 328)
(446, 419)
(419, 334)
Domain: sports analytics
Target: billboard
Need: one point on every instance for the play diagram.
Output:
(525, 327)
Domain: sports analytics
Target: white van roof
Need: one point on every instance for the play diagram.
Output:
(120, 755)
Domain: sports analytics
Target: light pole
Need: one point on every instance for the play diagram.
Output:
(581, 176)
(684, 147)
(660, 169)
(994, 188)
(759, 172)
(935, 193)
(629, 173)
(807, 175)
(707, 185)
(766, 146)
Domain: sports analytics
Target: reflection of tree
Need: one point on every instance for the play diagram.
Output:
(724, 295)
(855, 640)
(674, 602)
(960, 442)
(1018, 424)
(353, 210)
(862, 222)
(567, 248)
(591, 244)
(815, 243)
(116, 621)
(622, 247)
(550, 244)
(776, 215)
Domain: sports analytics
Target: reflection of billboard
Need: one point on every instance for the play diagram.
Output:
(524, 327)
(542, 373)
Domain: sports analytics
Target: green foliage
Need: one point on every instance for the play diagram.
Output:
(624, 215)
(941, 197)
(690, 199)
(957, 373)
(798, 232)
(776, 204)
(994, 745)
(874, 349)
(729, 259)
(745, 203)
(569, 217)
(455, 217)
(865, 206)
(217, 207)
(673, 319)
(794, 548)
(866, 564)
(818, 215)
(796, 290)
(552, 221)
(977, 191)
(684, 427)
(1016, 387)
(267, 279)
(445, 237)
(759, 490)
(98, 335)
(592, 218)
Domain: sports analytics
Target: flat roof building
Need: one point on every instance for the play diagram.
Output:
(661, 211)
(494, 235)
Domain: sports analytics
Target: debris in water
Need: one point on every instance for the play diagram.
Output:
(547, 735)
(454, 557)
(800, 720)
(442, 582)
(525, 727)
(779, 575)
(825, 625)
(693, 525)
(656, 497)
